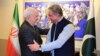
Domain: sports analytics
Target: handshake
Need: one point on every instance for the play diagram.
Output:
(34, 47)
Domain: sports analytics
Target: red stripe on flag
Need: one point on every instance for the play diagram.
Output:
(11, 51)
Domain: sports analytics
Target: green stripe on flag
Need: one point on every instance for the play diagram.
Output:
(90, 27)
(89, 40)
(88, 47)
(16, 15)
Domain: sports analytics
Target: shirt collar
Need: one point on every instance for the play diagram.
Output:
(59, 20)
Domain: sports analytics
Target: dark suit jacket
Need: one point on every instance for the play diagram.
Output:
(27, 34)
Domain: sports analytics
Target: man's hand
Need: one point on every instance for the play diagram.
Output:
(77, 28)
(34, 47)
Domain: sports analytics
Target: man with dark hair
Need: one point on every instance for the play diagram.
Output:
(60, 39)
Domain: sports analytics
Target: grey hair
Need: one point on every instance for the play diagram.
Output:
(28, 11)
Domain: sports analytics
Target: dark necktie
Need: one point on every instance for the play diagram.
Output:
(53, 32)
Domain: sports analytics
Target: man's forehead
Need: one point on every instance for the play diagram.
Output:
(49, 12)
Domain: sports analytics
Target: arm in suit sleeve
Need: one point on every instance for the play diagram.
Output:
(62, 38)
(43, 31)
(27, 36)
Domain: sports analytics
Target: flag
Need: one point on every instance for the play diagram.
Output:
(13, 48)
(89, 40)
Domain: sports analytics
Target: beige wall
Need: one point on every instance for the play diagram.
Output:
(97, 17)
(6, 13)
(6, 10)
(50, 0)
(6, 16)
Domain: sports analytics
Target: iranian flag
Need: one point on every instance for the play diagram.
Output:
(13, 48)
(89, 40)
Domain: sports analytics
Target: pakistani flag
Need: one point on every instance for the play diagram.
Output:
(13, 48)
(89, 40)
